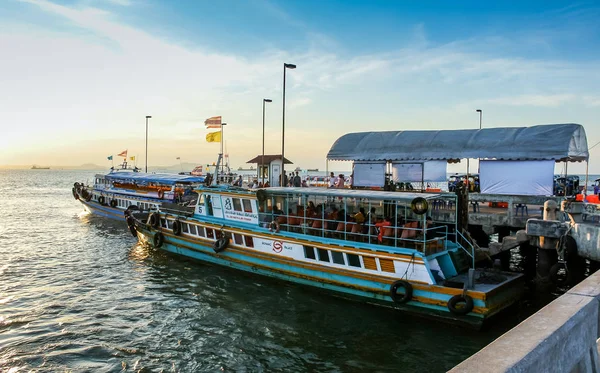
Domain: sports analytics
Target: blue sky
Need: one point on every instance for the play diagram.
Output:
(79, 76)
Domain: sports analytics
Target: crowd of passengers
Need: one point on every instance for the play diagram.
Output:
(330, 221)
(295, 180)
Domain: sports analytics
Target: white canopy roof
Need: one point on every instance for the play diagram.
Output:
(559, 142)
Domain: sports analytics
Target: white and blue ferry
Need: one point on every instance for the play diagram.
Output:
(125, 189)
(401, 250)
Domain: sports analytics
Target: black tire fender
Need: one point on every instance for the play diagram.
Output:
(75, 195)
(221, 244)
(177, 227)
(101, 200)
(399, 297)
(158, 239)
(154, 219)
(467, 300)
(558, 280)
(113, 203)
(133, 230)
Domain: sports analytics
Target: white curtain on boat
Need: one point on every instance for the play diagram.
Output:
(517, 177)
(368, 174)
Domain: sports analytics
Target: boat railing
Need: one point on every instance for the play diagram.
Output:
(463, 241)
(407, 234)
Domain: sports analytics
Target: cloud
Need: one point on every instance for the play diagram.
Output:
(533, 100)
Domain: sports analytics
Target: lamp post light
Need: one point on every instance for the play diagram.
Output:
(262, 160)
(285, 66)
(480, 114)
(147, 117)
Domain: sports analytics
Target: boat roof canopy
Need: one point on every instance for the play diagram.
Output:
(164, 179)
(558, 142)
(352, 193)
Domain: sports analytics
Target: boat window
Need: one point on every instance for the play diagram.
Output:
(193, 230)
(323, 255)
(249, 241)
(185, 228)
(163, 223)
(201, 232)
(337, 257)
(238, 239)
(170, 224)
(309, 252)
(210, 233)
(353, 260)
(237, 205)
(247, 205)
(369, 262)
(387, 265)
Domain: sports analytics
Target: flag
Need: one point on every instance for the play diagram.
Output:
(178, 158)
(132, 158)
(213, 137)
(109, 158)
(213, 122)
(122, 154)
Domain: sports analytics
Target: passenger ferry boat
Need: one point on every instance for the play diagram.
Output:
(401, 250)
(128, 189)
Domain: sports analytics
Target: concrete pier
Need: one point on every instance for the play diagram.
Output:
(561, 337)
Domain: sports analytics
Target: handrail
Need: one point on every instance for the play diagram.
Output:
(472, 253)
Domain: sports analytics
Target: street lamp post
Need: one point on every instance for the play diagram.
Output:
(262, 160)
(222, 154)
(285, 66)
(480, 114)
(147, 117)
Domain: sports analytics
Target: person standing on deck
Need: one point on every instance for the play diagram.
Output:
(332, 180)
(297, 180)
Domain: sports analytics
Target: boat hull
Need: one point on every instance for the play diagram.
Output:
(427, 300)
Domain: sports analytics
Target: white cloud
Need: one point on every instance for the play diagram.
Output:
(533, 100)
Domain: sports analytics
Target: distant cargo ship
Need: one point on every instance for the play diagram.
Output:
(39, 168)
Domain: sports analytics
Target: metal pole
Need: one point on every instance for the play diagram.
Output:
(262, 160)
(283, 134)
(480, 114)
(147, 117)
(222, 155)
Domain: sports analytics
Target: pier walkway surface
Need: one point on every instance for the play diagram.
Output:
(561, 337)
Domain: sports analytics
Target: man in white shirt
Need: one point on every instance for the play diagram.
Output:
(332, 180)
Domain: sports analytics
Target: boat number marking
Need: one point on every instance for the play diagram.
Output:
(277, 246)
(228, 204)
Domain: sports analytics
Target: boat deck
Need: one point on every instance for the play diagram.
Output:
(486, 280)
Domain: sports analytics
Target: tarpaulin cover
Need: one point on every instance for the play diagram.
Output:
(164, 179)
(434, 171)
(550, 142)
(517, 177)
(369, 174)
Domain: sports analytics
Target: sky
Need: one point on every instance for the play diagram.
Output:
(78, 77)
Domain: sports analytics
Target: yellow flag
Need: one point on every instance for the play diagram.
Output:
(214, 137)
(132, 158)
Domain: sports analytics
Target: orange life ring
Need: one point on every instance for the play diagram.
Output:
(161, 194)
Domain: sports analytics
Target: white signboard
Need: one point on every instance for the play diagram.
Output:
(369, 174)
(243, 216)
(433, 171)
(279, 247)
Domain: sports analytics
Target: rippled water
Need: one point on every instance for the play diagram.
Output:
(78, 293)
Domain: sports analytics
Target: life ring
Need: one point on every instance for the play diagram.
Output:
(161, 194)
(113, 203)
(465, 299)
(399, 297)
(101, 200)
(221, 244)
(154, 219)
(158, 239)
(274, 226)
(177, 227)
(419, 205)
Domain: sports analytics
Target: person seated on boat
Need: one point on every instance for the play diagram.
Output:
(340, 182)
(267, 185)
(277, 211)
(310, 209)
(254, 184)
(380, 228)
(430, 231)
(332, 218)
(596, 189)
(304, 184)
(359, 217)
(238, 182)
